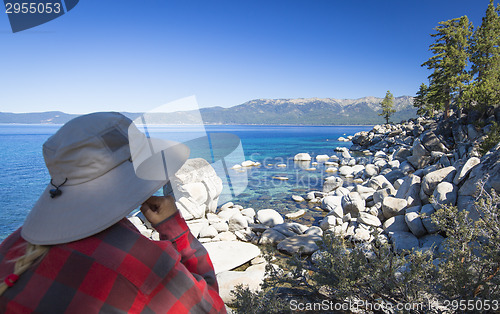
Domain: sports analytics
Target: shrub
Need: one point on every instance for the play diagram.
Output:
(468, 269)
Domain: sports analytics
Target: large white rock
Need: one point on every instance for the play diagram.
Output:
(369, 219)
(428, 210)
(392, 206)
(332, 183)
(346, 171)
(466, 168)
(269, 217)
(197, 191)
(403, 241)
(196, 225)
(353, 204)
(304, 244)
(414, 222)
(333, 204)
(322, 158)
(302, 157)
(432, 179)
(446, 193)
(271, 236)
(227, 255)
(396, 223)
(252, 277)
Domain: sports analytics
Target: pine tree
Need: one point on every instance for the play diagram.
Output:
(387, 106)
(449, 62)
(485, 59)
(421, 101)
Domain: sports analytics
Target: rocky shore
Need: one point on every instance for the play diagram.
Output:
(387, 185)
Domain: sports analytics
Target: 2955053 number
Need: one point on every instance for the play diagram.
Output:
(32, 8)
(472, 305)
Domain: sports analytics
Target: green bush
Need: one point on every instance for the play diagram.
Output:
(492, 139)
(343, 272)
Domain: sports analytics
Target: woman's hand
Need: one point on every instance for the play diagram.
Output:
(156, 209)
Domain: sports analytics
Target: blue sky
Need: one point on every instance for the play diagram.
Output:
(135, 55)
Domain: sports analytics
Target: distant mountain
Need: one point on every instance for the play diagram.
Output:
(305, 111)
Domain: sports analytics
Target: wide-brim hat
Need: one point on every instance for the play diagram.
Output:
(102, 167)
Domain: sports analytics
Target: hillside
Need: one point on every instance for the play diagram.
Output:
(310, 111)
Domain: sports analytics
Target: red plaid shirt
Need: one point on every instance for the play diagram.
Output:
(115, 271)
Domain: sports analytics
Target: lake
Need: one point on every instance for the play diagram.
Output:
(24, 176)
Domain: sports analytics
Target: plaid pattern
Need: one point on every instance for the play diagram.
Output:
(115, 271)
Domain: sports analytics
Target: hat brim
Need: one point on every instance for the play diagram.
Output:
(86, 209)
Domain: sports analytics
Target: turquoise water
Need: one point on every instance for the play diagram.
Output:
(24, 176)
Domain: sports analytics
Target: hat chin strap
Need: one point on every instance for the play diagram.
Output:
(56, 192)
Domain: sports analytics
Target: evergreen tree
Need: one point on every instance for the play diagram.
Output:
(387, 106)
(485, 59)
(421, 101)
(449, 62)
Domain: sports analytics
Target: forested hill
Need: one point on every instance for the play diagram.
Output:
(310, 111)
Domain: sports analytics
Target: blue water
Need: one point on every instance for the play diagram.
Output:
(24, 176)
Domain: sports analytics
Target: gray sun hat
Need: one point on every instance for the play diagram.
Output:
(101, 167)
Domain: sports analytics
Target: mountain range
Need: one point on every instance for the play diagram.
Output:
(300, 111)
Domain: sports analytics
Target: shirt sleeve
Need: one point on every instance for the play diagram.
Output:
(195, 261)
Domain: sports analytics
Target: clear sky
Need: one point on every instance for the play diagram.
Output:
(135, 55)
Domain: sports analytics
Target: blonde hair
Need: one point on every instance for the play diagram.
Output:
(32, 254)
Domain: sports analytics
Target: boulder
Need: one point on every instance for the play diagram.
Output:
(427, 211)
(322, 158)
(353, 204)
(220, 227)
(465, 169)
(371, 170)
(332, 183)
(296, 214)
(329, 222)
(237, 222)
(315, 230)
(302, 157)
(380, 182)
(304, 244)
(396, 223)
(333, 204)
(298, 198)
(379, 195)
(196, 225)
(432, 179)
(394, 175)
(208, 232)
(431, 241)
(369, 219)
(251, 278)
(392, 206)
(432, 143)
(346, 171)
(225, 236)
(414, 222)
(271, 236)
(290, 228)
(403, 241)
(227, 255)
(445, 194)
(269, 217)
(248, 212)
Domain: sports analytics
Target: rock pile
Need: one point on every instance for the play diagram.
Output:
(408, 172)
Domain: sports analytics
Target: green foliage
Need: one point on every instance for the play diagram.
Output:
(387, 105)
(485, 58)
(492, 139)
(470, 267)
(422, 102)
(467, 269)
(449, 62)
